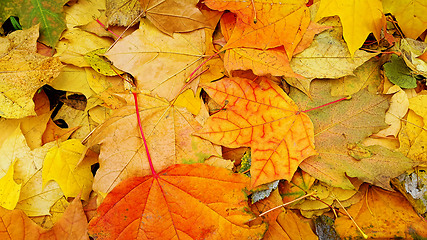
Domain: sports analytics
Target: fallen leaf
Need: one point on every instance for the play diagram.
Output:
(328, 56)
(263, 117)
(413, 136)
(54, 133)
(82, 12)
(189, 101)
(42, 103)
(158, 62)
(398, 73)
(262, 24)
(32, 128)
(123, 12)
(72, 225)
(297, 187)
(170, 16)
(34, 200)
(73, 79)
(75, 119)
(22, 74)
(75, 43)
(56, 212)
(326, 196)
(295, 226)
(261, 62)
(399, 104)
(282, 224)
(192, 201)
(16, 225)
(312, 30)
(105, 87)
(412, 53)
(20, 40)
(345, 122)
(168, 132)
(382, 214)
(9, 193)
(366, 75)
(409, 14)
(60, 164)
(359, 18)
(48, 14)
(100, 64)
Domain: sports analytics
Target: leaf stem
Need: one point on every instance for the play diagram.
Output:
(295, 200)
(339, 100)
(153, 172)
(100, 23)
(348, 214)
(189, 77)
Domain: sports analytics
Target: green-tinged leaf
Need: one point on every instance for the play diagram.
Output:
(350, 121)
(30, 12)
(399, 74)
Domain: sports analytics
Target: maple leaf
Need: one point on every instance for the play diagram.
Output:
(34, 200)
(122, 12)
(359, 18)
(413, 136)
(53, 132)
(282, 224)
(75, 43)
(9, 193)
(48, 13)
(263, 117)
(261, 62)
(72, 225)
(327, 196)
(409, 14)
(23, 72)
(328, 56)
(192, 201)
(171, 16)
(60, 164)
(382, 214)
(365, 76)
(158, 62)
(168, 132)
(262, 24)
(338, 125)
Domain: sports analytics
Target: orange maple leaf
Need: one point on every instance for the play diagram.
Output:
(264, 24)
(261, 62)
(194, 201)
(263, 117)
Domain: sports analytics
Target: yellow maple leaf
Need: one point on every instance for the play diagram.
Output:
(359, 18)
(410, 14)
(10, 190)
(60, 165)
